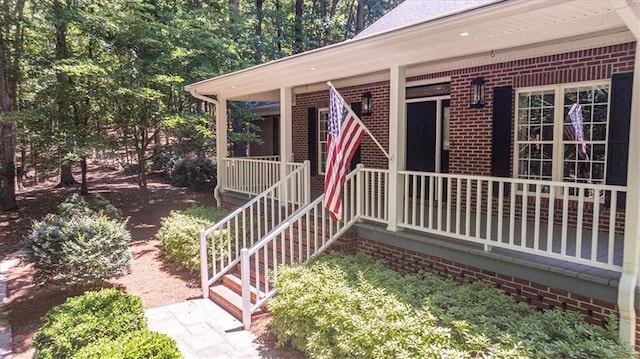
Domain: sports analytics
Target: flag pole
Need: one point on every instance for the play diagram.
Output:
(358, 118)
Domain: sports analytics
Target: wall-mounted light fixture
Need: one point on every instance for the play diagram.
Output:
(365, 100)
(477, 92)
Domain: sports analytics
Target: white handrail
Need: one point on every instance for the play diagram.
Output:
(299, 238)
(241, 229)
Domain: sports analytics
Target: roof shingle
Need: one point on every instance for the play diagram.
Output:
(413, 12)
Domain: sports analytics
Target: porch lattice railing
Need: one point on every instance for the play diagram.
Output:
(220, 244)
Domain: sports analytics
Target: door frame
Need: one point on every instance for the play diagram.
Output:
(439, 124)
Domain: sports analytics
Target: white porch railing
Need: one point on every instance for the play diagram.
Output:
(220, 244)
(574, 222)
(307, 233)
(253, 175)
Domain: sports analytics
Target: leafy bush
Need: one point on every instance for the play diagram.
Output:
(179, 234)
(85, 243)
(81, 250)
(138, 344)
(86, 319)
(195, 173)
(352, 306)
(76, 205)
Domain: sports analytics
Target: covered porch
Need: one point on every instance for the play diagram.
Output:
(589, 230)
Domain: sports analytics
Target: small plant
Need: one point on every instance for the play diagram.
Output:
(80, 245)
(85, 319)
(138, 344)
(179, 234)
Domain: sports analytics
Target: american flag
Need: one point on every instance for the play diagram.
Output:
(344, 133)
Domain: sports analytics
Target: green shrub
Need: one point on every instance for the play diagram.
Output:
(195, 173)
(84, 249)
(179, 234)
(77, 205)
(135, 345)
(85, 319)
(352, 306)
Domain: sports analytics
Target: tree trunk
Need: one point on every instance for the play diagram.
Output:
(62, 98)
(66, 176)
(234, 9)
(361, 14)
(257, 55)
(84, 187)
(142, 176)
(8, 200)
(279, 27)
(297, 28)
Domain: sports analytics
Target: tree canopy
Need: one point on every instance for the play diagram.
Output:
(81, 77)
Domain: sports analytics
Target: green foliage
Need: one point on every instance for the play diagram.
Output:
(77, 205)
(86, 319)
(352, 306)
(82, 250)
(180, 238)
(80, 245)
(135, 345)
(195, 173)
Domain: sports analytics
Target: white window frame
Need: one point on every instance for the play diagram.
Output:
(323, 119)
(558, 142)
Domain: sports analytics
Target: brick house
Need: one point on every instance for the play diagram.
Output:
(514, 147)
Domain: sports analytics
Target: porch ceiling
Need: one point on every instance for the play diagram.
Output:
(499, 26)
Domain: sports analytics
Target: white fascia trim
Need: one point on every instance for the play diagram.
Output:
(628, 15)
(484, 13)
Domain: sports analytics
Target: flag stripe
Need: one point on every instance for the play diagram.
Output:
(345, 131)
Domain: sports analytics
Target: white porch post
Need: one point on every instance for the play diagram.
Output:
(221, 146)
(286, 148)
(631, 261)
(397, 144)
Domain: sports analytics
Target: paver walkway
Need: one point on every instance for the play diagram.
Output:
(203, 330)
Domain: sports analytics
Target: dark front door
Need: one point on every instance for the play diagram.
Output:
(421, 136)
(422, 139)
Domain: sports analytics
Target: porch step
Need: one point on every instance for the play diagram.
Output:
(234, 282)
(228, 295)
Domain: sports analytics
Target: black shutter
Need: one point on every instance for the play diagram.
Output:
(501, 133)
(618, 141)
(312, 141)
(357, 108)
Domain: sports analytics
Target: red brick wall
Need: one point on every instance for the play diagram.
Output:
(538, 295)
(470, 129)
(268, 145)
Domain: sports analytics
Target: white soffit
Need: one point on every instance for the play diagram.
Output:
(520, 25)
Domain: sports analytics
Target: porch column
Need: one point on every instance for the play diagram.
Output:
(397, 144)
(221, 147)
(631, 260)
(286, 148)
(629, 280)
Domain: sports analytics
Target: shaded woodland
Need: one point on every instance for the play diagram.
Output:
(88, 80)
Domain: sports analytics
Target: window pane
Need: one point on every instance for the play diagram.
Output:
(535, 134)
(585, 133)
(601, 94)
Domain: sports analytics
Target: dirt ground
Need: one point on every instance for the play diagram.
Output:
(152, 277)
